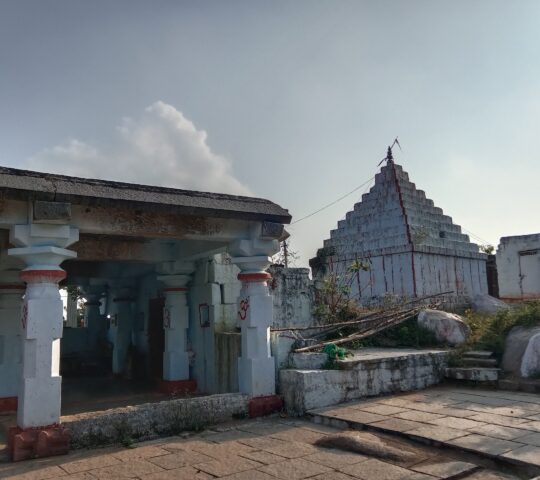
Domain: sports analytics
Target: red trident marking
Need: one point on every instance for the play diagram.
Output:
(24, 315)
(244, 306)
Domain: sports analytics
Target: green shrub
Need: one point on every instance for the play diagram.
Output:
(488, 332)
(406, 334)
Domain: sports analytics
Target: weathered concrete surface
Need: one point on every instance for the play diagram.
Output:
(368, 373)
(518, 266)
(152, 419)
(499, 425)
(294, 297)
(487, 304)
(516, 345)
(448, 328)
(308, 360)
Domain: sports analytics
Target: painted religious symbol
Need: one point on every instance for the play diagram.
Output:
(24, 315)
(244, 306)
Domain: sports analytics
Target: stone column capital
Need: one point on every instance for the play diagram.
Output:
(175, 283)
(254, 247)
(253, 269)
(93, 293)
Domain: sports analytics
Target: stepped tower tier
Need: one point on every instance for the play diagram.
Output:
(413, 248)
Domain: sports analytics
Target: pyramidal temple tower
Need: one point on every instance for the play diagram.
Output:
(413, 249)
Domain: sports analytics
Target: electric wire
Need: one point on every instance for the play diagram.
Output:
(335, 201)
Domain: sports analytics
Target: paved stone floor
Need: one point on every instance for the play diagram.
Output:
(249, 450)
(497, 424)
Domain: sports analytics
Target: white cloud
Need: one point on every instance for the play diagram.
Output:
(162, 148)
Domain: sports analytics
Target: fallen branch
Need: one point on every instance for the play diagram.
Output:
(382, 324)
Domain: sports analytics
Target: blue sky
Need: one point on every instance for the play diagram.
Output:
(292, 101)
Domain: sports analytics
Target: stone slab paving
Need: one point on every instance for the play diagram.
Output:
(498, 424)
(267, 449)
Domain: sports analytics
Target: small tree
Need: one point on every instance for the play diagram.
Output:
(335, 302)
(285, 256)
(488, 249)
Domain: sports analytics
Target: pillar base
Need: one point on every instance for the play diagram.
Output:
(257, 376)
(177, 386)
(260, 406)
(38, 442)
(8, 404)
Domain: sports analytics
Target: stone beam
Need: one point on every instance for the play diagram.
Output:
(111, 248)
(150, 224)
(143, 223)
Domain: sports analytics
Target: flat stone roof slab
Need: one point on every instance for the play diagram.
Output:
(24, 184)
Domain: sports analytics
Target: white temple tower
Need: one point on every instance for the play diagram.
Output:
(412, 247)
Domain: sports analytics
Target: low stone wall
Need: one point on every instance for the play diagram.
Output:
(142, 422)
(304, 390)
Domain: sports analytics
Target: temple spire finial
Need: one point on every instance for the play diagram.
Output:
(389, 156)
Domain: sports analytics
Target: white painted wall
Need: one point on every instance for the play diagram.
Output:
(518, 266)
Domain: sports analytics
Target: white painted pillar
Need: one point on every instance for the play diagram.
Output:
(41, 247)
(176, 276)
(256, 367)
(11, 292)
(175, 324)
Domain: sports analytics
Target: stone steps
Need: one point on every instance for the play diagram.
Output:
(478, 354)
(480, 362)
(478, 366)
(474, 374)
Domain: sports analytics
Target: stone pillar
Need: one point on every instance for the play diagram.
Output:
(123, 328)
(11, 292)
(256, 368)
(94, 321)
(41, 321)
(175, 324)
(71, 311)
(42, 248)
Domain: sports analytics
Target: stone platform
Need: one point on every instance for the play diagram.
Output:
(501, 425)
(368, 372)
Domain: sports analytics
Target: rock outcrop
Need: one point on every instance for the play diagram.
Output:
(448, 328)
(522, 351)
(487, 304)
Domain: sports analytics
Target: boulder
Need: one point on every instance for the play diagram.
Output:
(448, 328)
(487, 304)
(530, 364)
(522, 351)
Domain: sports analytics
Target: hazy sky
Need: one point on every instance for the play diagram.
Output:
(294, 101)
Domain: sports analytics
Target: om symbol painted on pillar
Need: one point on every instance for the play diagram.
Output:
(24, 315)
(166, 318)
(244, 306)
